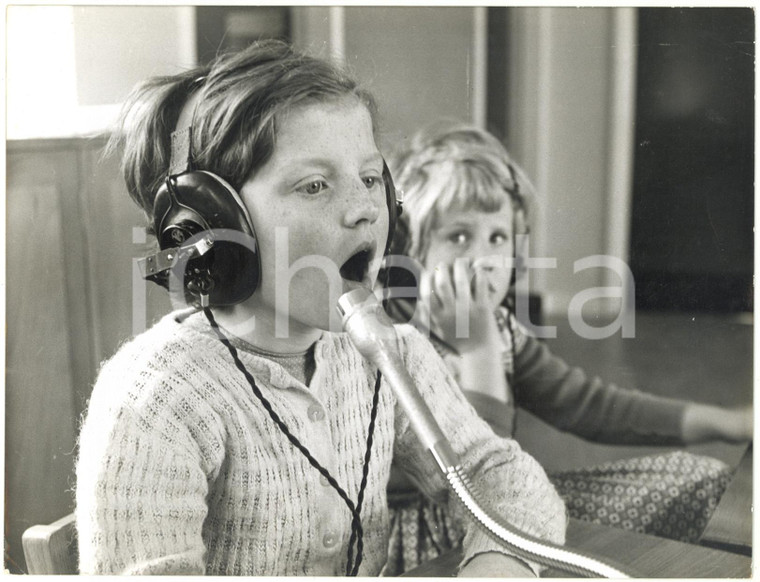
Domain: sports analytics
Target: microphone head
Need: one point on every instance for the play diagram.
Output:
(353, 300)
(367, 323)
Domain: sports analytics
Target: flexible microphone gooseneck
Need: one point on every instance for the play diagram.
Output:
(373, 334)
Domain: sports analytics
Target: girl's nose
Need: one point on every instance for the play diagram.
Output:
(362, 206)
(484, 256)
(479, 250)
(488, 263)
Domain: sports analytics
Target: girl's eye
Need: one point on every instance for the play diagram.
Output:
(458, 238)
(313, 187)
(499, 239)
(371, 181)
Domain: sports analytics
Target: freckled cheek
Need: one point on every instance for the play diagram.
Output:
(381, 230)
(441, 254)
(297, 254)
(313, 292)
(303, 254)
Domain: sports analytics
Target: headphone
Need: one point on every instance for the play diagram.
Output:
(206, 238)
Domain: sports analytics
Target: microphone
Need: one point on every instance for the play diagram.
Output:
(373, 334)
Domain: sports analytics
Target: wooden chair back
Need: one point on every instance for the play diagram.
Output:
(51, 549)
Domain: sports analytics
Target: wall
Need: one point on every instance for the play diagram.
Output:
(569, 95)
(398, 52)
(420, 63)
(570, 123)
(92, 56)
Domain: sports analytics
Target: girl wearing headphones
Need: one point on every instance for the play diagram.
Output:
(247, 435)
(465, 203)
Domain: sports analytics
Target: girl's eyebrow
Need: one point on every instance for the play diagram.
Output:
(326, 162)
(375, 157)
(457, 224)
(307, 160)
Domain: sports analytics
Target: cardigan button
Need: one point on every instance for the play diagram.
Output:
(329, 540)
(315, 413)
(323, 480)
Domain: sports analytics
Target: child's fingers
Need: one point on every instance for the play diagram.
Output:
(443, 287)
(429, 305)
(462, 278)
(480, 285)
(422, 317)
(426, 287)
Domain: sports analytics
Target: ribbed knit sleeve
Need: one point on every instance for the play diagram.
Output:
(568, 399)
(147, 450)
(514, 484)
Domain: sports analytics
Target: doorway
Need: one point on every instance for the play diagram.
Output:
(693, 186)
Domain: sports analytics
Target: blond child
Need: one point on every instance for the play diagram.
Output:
(219, 442)
(465, 205)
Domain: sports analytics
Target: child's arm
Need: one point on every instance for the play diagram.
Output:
(568, 399)
(495, 564)
(702, 422)
(141, 489)
(513, 483)
(140, 505)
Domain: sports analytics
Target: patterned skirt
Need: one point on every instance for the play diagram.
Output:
(671, 495)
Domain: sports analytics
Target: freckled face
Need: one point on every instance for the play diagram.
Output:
(317, 202)
(475, 235)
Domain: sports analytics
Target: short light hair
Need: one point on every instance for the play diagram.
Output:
(241, 98)
(454, 166)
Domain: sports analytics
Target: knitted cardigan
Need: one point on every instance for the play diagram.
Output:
(180, 469)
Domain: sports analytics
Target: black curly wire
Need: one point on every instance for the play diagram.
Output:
(365, 472)
(357, 533)
(511, 331)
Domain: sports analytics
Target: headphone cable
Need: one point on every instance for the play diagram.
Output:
(357, 533)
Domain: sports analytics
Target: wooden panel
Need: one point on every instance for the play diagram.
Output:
(109, 218)
(71, 301)
(40, 418)
(637, 555)
(730, 527)
(650, 556)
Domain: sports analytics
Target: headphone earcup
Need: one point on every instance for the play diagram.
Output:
(390, 274)
(195, 204)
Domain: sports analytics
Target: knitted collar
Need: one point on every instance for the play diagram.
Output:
(300, 365)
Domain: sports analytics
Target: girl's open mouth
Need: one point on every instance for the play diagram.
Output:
(357, 266)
